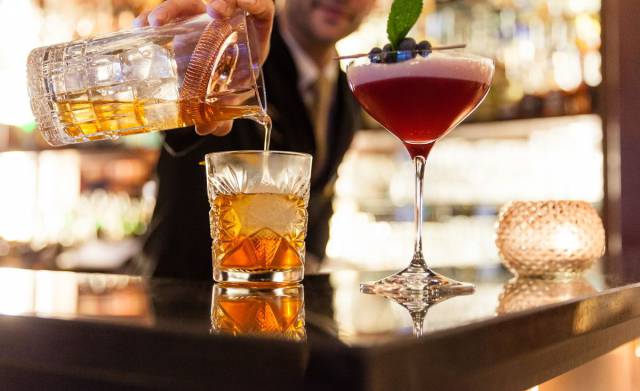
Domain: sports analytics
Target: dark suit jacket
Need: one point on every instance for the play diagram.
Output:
(179, 241)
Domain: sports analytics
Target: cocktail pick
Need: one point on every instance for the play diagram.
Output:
(446, 47)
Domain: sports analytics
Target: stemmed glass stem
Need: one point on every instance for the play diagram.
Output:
(418, 321)
(417, 286)
(418, 258)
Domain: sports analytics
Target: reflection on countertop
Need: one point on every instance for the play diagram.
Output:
(142, 331)
(74, 295)
(520, 294)
(270, 311)
(331, 305)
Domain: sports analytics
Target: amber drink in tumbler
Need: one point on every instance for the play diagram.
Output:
(258, 215)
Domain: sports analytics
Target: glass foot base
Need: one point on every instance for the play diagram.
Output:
(259, 276)
(417, 281)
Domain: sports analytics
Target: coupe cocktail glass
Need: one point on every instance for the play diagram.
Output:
(420, 100)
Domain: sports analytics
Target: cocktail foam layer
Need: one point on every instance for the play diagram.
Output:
(436, 65)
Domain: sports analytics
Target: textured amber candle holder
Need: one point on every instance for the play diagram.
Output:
(549, 238)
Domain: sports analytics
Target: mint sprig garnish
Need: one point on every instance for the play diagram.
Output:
(403, 15)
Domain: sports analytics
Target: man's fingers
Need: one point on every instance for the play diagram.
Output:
(175, 9)
(224, 128)
(217, 129)
(260, 9)
(262, 13)
(203, 130)
(222, 8)
(141, 20)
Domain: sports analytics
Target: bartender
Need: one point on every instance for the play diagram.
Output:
(311, 107)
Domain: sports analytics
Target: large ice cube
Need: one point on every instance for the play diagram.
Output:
(75, 51)
(105, 70)
(167, 89)
(163, 63)
(58, 83)
(274, 211)
(162, 89)
(163, 115)
(148, 62)
(74, 78)
(135, 66)
(116, 93)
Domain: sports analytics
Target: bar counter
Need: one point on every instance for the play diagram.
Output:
(97, 331)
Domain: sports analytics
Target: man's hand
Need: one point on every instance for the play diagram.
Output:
(262, 11)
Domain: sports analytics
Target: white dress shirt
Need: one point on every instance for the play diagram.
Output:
(317, 88)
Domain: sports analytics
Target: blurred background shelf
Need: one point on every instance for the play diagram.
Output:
(87, 207)
(471, 173)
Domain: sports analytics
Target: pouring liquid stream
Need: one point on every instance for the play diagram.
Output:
(265, 121)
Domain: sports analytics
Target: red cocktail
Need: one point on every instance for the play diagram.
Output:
(420, 100)
(420, 110)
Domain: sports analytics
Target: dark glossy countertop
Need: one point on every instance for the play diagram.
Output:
(96, 330)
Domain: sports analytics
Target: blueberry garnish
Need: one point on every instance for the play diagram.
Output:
(388, 55)
(405, 55)
(408, 44)
(424, 48)
(406, 49)
(375, 55)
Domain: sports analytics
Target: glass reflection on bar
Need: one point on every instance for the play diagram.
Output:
(68, 295)
(273, 311)
(520, 294)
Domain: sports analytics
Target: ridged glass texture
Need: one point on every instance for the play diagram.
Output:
(191, 72)
(258, 215)
(542, 238)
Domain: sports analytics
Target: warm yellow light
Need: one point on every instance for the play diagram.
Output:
(23, 17)
(588, 30)
(56, 293)
(16, 291)
(125, 19)
(636, 349)
(41, 192)
(586, 6)
(18, 195)
(567, 69)
(592, 68)
(58, 193)
(84, 27)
